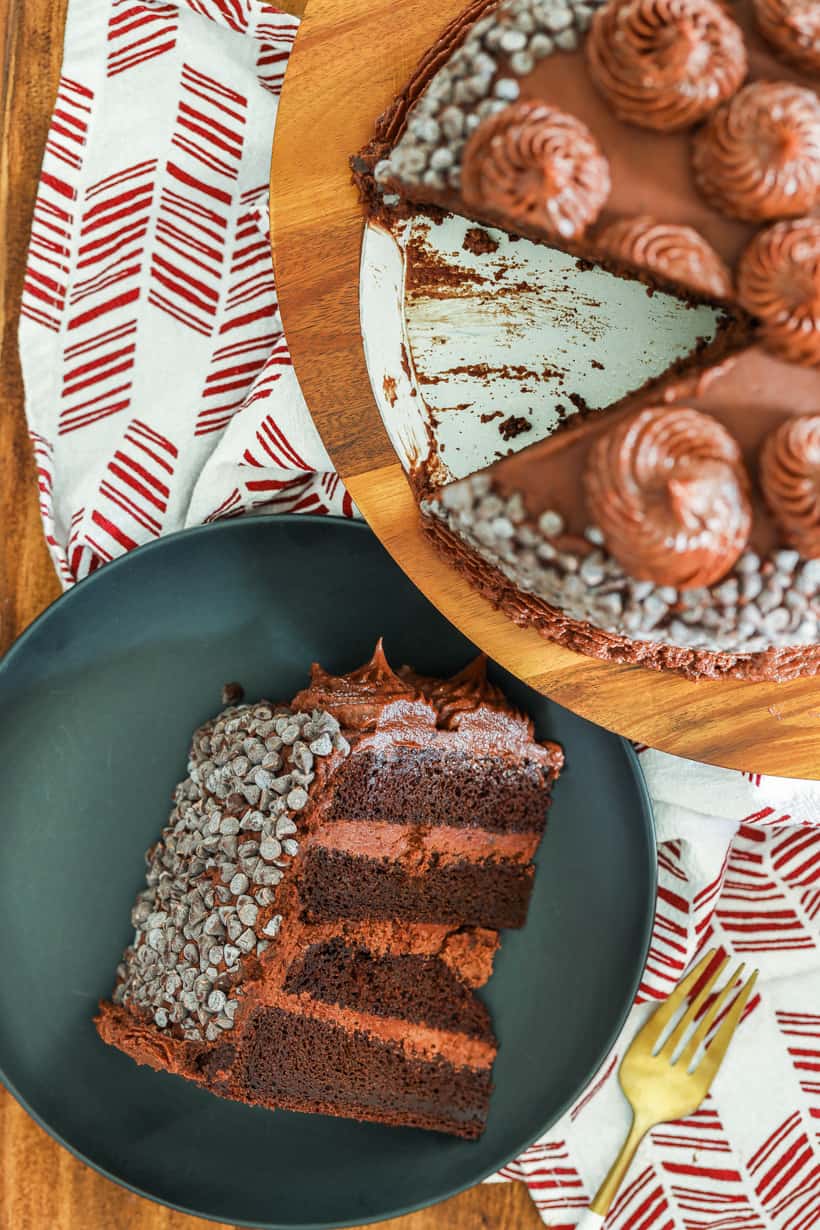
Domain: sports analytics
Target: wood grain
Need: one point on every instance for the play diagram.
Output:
(42, 1187)
(317, 229)
(31, 39)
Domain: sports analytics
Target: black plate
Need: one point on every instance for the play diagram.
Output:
(98, 699)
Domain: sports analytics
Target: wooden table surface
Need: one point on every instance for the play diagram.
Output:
(42, 1187)
(317, 229)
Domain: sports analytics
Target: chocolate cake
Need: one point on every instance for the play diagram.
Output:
(326, 898)
(674, 142)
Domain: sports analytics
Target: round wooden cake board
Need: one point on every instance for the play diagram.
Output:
(350, 59)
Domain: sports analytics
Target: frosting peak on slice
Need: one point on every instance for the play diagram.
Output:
(466, 691)
(474, 709)
(370, 698)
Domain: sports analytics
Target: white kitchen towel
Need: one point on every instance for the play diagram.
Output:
(739, 870)
(159, 389)
(160, 394)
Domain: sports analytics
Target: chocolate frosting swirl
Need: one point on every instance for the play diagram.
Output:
(665, 64)
(793, 28)
(758, 156)
(677, 253)
(779, 282)
(533, 163)
(790, 478)
(669, 491)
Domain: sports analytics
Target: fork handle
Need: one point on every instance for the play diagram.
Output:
(609, 1188)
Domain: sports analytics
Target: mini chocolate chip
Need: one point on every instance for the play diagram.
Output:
(270, 849)
(268, 876)
(322, 746)
(246, 942)
(232, 694)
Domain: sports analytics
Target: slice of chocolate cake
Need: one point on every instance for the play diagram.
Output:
(326, 895)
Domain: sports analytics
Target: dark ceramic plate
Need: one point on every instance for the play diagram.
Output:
(98, 699)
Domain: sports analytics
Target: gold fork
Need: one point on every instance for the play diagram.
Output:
(657, 1082)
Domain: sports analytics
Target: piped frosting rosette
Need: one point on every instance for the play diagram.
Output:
(790, 479)
(779, 282)
(669, 491)
(676, 253)
(665, 64)
(793, 28)
(758, 156)
(536, 164)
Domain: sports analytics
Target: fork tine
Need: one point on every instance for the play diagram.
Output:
(719, 1045)
(674, 1039)
(663, 1014)
(705, 1025)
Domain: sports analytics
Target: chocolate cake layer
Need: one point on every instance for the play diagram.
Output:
(335, 885)
(415, 988)
(428, 786)
(330, 1071)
